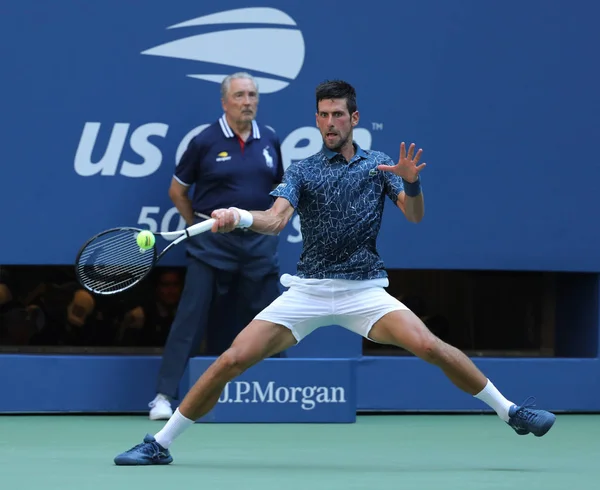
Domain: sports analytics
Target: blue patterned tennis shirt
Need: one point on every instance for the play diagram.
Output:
(340, 205)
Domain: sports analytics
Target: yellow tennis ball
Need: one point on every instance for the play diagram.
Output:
(146, 240)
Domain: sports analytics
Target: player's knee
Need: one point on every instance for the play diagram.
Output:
(421, 341)
(235, 361)
(429, 348)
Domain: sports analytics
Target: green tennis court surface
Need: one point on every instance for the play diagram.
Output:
(418, 452)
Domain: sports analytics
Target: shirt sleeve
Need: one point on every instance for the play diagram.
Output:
(392, 183)
(186, 172)
(291, 185)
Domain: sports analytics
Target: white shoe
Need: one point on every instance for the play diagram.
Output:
(160, 408)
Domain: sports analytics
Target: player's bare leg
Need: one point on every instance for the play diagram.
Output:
(256, 342)
(404, 329)
(259, 340)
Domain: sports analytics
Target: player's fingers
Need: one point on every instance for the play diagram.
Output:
(385, 168)
(216, 213)
(217, 216)
(418, 156)
(228, 221)
(402, 150)
(411, 151)
(222, 220)
(421, 167)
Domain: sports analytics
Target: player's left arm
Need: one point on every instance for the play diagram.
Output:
(410, 198)
(413, 207)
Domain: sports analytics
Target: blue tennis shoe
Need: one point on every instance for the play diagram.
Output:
(148, 452)
(525, 420)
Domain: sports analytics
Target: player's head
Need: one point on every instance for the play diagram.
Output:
(239, 97)
(337, 113)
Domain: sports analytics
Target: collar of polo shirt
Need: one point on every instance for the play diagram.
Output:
(358, 152)
(228, 132)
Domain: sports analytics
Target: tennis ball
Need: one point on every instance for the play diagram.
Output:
(146, 240)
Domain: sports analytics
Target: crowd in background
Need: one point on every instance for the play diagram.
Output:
(46, 306)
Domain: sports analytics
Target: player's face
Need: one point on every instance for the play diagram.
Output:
(241, 102)
(335, 123)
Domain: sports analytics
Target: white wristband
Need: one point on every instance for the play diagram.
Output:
(246, 218)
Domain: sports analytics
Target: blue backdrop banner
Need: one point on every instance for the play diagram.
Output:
(101, 98)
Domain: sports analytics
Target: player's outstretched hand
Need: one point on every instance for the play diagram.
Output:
(407, 164)
(226, 220)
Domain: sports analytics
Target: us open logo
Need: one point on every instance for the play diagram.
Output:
(275, 55)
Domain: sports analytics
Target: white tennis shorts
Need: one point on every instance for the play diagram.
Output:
(309, 304)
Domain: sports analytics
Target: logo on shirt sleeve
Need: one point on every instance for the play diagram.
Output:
(268, 157)
(223, 157)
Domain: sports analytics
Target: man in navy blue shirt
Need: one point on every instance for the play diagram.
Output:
(233, 162)
(339, 194)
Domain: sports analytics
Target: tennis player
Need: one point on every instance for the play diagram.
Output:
(339, 194)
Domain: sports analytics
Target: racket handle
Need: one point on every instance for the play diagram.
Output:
(200, 227)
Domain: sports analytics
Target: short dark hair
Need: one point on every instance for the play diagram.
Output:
(337, 89)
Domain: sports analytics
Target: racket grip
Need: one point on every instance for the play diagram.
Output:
(200, 227)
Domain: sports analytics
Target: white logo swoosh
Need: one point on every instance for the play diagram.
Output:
(277, 51)
(256, 15)
(270, 50)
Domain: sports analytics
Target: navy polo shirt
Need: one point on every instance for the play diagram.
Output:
(227, 172)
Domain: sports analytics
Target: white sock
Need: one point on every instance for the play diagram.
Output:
(491, 396)
(174, 427)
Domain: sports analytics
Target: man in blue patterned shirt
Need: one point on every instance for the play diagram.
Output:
(339, 194)
(343, 202)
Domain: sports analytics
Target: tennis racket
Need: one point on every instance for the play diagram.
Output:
(112, 261)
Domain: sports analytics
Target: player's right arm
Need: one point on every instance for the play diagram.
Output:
(273, 220)
(269, 222)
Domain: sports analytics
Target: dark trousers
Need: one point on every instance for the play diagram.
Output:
(227, 299)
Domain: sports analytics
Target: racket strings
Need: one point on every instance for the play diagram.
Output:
(114, 261)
